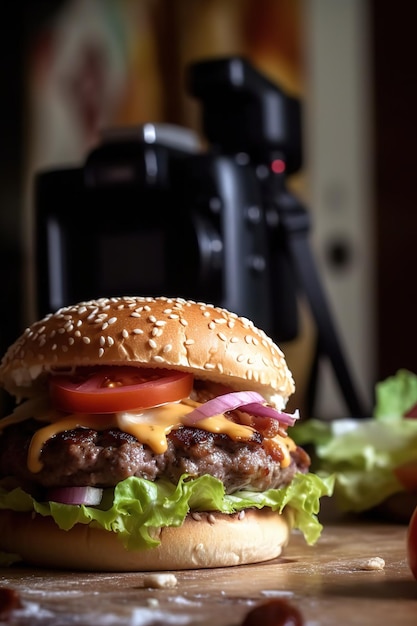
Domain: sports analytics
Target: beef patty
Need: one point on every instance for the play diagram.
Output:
(84, 457)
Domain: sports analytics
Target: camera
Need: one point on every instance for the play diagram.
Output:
(152, 212)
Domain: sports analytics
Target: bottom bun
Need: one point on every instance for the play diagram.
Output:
(204, 540)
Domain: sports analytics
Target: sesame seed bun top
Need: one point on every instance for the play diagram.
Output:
(209, 341)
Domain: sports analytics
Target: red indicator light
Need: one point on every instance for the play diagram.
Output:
(278, 166)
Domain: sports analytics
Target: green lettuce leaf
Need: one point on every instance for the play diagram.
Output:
(395, 395)
(136, 507)
(362, 454)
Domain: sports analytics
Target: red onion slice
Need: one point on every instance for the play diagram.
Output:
(249, 401)
(90, 496)
(263, 410)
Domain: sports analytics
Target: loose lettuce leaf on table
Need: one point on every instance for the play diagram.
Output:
(364, 454)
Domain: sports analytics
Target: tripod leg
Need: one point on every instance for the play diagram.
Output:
(328, 338)
(312, 383)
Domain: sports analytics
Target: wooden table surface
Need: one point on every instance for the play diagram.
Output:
(330, 583)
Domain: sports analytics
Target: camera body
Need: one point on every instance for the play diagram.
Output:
(151, 212)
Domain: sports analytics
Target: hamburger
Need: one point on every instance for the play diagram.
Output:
(150, 434)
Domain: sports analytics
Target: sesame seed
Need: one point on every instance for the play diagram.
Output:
(240, 358)
(183, 322)
(173, 316)
(209, 366)
(105, 325)
(234, 340)
(70, 340)
(222, 336)
(77, 333)
(100, 352)
(212, 325)
(156, 332)
(54, 347)
(125, 334)
(110, 341)
(102, 340)
(152, 319)
(134, 314)
(152, 343)
(87, 340)
(92, 314)
(137, 331)
(211, 519)
(189, 342)
(112, 320)
(196, 516)
(160, 323)
(167, 348)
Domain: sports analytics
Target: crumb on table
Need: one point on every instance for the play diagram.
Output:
(373, 563)
(160, 581)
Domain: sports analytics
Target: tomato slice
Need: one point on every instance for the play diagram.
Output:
(118, 388)
(407, 475)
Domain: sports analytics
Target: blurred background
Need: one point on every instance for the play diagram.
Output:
(70, 68)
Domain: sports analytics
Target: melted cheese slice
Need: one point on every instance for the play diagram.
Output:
(152, 426)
